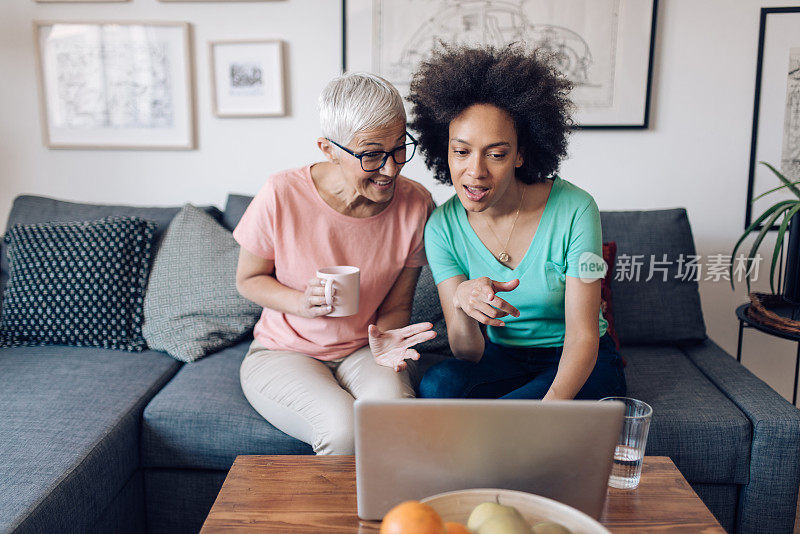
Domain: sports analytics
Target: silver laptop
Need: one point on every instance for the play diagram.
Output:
(415, 448)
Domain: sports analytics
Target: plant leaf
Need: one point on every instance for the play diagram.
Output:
(762, 234)
(783, 179)
(779, 243)
(752, 227)
(762, 195)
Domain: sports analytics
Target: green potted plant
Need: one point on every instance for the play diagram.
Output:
(781, 213)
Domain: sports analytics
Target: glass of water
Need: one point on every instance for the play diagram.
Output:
(629, 453)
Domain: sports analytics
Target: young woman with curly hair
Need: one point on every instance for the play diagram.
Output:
(494, 124)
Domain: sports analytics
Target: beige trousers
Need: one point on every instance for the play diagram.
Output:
(312, 400)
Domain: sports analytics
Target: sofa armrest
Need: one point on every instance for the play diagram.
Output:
(767, 503)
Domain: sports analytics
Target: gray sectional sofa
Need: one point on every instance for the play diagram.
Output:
(94, 440)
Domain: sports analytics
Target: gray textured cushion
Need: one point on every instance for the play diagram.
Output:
(654, 311)
(192, 307)
(201, 419)
(694, 423)
(69, 431)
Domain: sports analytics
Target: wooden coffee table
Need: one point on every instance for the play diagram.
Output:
(285, 494)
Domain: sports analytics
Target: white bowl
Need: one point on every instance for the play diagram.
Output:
(457, 505)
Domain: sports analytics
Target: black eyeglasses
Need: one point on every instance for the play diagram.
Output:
(375, 159)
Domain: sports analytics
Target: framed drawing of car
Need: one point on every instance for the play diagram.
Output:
(604, 47)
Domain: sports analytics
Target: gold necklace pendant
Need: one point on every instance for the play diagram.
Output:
(503, 256)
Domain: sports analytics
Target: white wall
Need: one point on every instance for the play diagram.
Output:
(694, 155)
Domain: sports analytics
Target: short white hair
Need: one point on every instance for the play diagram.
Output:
(358, 101)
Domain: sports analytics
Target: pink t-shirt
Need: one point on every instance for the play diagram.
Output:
(288, 222)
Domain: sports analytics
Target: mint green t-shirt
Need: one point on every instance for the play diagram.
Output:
(569, 227)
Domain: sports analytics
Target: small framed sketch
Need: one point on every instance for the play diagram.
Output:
(115, 84)
(604, 47)
(775, 137)
(247, 78)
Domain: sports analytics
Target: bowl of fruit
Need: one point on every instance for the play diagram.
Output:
(488, 511)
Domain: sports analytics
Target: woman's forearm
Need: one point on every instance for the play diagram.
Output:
(465, 337)
(577, 362)
(267, 292)
(390, 319)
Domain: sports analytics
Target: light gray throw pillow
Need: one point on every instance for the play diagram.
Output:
(191, 306)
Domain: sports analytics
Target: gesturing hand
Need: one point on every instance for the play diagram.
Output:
(477, 298)
(393, 347)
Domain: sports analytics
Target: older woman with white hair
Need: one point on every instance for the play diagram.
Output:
(304, 369)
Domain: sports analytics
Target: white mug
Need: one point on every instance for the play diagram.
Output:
(346, 280)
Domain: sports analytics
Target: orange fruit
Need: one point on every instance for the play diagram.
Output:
(455, 528)
(412, 517)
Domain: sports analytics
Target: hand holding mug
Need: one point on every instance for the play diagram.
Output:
(393, 347)
(478, 299)
(313, 302)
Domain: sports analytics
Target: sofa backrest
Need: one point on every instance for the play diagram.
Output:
(235, 207)
(654, 311)
(31, 209)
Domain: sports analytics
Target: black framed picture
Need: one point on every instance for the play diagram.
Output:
(605, 47)
(776, 109)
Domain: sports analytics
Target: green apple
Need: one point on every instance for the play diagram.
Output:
(490, 510)
(505, 524)
(482, 512)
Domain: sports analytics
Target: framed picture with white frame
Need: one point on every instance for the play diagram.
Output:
(125, 85)
(247, 78)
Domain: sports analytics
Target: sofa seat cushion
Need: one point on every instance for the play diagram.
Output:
(694, 423)
(201, 419)
(69, 431)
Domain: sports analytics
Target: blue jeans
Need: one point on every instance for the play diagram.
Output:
(520, 373)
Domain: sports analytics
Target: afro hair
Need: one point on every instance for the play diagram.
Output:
(523, 83)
